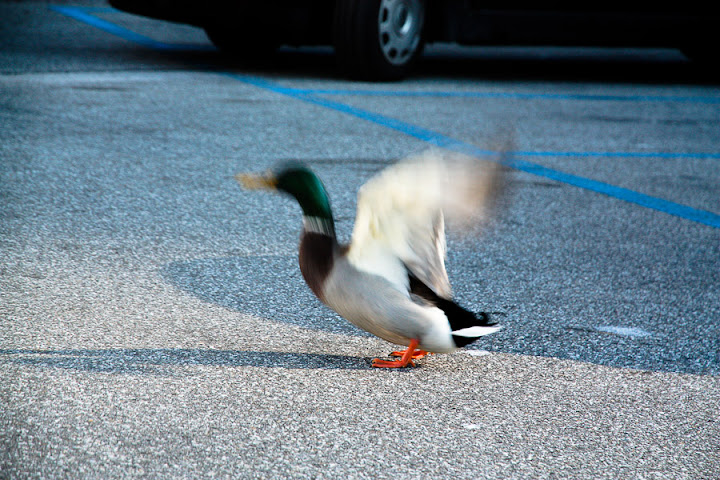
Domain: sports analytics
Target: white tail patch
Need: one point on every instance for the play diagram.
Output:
(472, 332)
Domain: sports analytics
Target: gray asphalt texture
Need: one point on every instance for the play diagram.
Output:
(154, 323)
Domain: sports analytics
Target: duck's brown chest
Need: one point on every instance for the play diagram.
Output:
(316, 260)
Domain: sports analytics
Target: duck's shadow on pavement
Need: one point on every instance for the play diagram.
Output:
(266, 286)
(167, 361)
(269, 287)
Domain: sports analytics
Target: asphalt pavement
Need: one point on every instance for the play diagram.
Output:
(154, 322)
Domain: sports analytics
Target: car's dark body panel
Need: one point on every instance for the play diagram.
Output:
(294, 22)
(368, 48)
(563, 23)
(464, 21)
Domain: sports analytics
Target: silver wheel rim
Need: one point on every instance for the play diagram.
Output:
(399, 29)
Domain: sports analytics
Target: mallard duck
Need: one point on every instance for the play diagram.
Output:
(391, 279)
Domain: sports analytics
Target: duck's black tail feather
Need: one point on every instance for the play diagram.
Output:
(466, 326)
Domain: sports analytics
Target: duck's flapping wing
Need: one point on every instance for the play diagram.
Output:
(401, 212)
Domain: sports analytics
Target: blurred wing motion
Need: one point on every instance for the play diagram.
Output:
(400, 223)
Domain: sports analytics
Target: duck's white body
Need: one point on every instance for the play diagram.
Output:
(376, 305)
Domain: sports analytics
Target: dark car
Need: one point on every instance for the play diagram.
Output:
(381, 39)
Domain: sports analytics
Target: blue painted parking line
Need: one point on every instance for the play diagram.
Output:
(631, 196)
(97, 9)
(551, 153)
(84, 15)
(516, 95)
(440, 140)
(412, 130)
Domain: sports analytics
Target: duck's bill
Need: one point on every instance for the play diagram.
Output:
(255, 182)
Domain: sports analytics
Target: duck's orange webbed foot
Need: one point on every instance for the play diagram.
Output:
(406, 357)
(416, 355)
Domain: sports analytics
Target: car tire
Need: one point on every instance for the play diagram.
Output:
(378, 39)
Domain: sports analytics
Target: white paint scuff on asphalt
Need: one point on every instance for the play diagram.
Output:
(633, 332)
(477, 353)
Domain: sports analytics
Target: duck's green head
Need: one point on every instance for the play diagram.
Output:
(298, 181)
